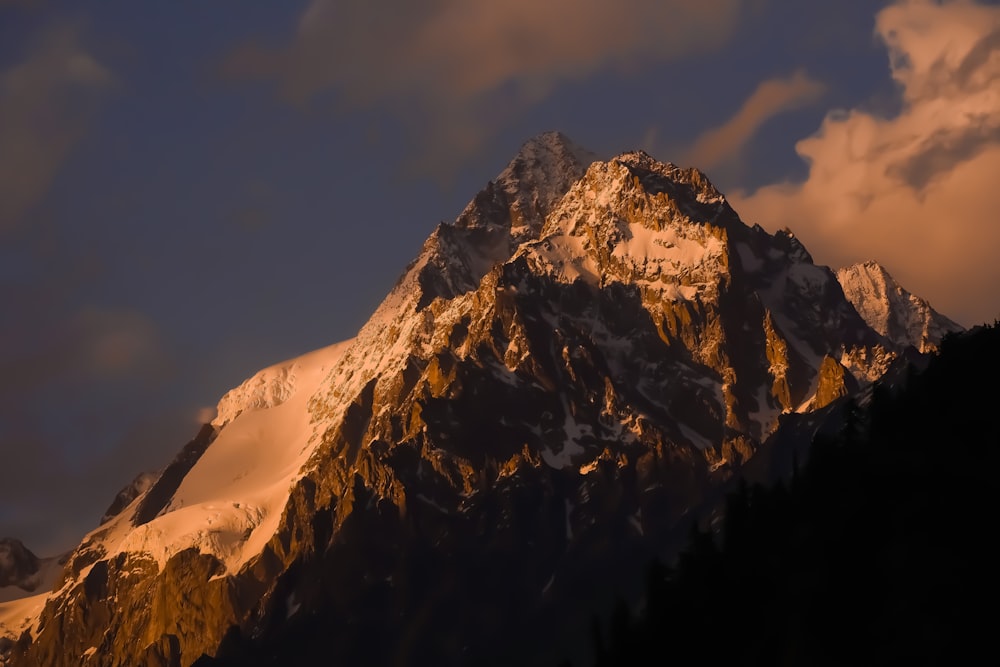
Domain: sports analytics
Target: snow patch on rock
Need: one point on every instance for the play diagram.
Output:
(902, 317)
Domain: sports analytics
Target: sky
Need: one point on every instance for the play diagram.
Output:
(190, 192)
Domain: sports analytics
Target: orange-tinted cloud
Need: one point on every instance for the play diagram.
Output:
(46, 103)
(463, 64)
(769, 99)
(917, 190)
(205, 414)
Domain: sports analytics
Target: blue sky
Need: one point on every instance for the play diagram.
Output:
(193, 191)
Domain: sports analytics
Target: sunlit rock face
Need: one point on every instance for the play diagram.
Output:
(555, 387)
(902, 317)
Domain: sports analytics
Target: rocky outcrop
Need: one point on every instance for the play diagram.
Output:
(834, 381)
(142, 483)
(162, 624)
(18, 566)
(159, 494)
(902, 317)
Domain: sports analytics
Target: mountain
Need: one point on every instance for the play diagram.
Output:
(24, 580)
(18, 566)
(21, 571)
(904, 318)
(560, 383)
(873, 553)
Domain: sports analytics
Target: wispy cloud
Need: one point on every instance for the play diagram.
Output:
(916, 190)
(770, 98)
(461, 67)
(46, 104)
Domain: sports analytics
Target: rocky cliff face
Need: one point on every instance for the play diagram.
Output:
(560, 381)
(18, 566)
(142, 483)
(904, 318)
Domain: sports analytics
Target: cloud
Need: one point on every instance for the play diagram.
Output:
(463, 66)
(46, 104)
(770, 98)
(916, 190)
(89, 347)
(205, 414)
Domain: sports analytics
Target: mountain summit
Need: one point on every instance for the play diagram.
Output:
(903, 317)
(562, 380)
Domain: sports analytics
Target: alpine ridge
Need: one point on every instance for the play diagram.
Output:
(891, 310)
(560, 383)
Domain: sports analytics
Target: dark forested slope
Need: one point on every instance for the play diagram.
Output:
(879, 551)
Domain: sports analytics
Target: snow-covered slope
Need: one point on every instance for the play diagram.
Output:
(230, 501)
(25, 583)
(904, 318)
(17, 616)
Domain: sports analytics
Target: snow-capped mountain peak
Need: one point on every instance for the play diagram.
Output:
(894, 312)
(525, 191)
(591, 346)
(635, 220)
